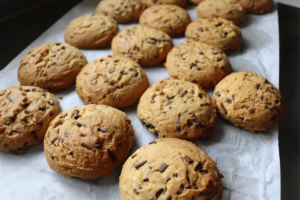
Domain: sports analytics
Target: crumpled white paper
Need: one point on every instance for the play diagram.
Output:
(249, 161)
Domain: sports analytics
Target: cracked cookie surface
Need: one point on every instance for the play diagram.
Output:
(198, 63)
(227, 9)
(111, 80)
(91, 31)
(52, 66)
(25, 114)
(177, 109)
(123, 11)
(250, 101)
(170, 169)
(148, 3)
(218, 32)
(88, 141)
(144, 45)
(257, 6)
(170, 19)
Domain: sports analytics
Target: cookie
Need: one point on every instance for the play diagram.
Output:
(198, 63)
(250, 101)
(195, 2)
(146, 46)
(52, 66)
(177, 109)
(91, 31)
(112, 80)
(25, 114)
(218, 32)
(123, 11)
(257, 6)
(170, 19)
(227, 9)
(170, 168)
(88, 141)
(148, 3)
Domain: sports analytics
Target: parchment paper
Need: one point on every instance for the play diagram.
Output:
(249, 161)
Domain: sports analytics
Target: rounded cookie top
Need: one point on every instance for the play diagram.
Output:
(228, 9)
(88, 141)
(199, 63)
(91, 31)
(52, 66)
(250, 101)
(177, 109)
(218, 32)
(195, 2)
(148, 3)
(112, 80)
(25, 114)
(146, 46)
(170, 19)
(123, 11)
(257, 6)
(170, 168)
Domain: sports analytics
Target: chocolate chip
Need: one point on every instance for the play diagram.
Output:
(159, 192)
(217, 94)
(76, 116)
(54, 139)
(192, 65)
(86, 146)
(168, 179)
(178, 124)
(183, 93)
(224, 35)
(199, 168)
(78, 124)
(140, 164)
(152, 101)
(26, 111)
(25, 104)
(136, 191)
(10, 120)
(126, 119)
(51, 103)
(52, 156)
(42, 108)
(183, 53)
(201, 53)
(251, 110)
(162, 167)
(228, 100)
(153, 142)
(259, 86)
(111, 82)
(222, 108)
(204, 104)
(270, 89)
(188, 159)
(102, 129)
(27, 90)
(9, 98)
(44, 73)
(175, 175)
(260, 97)
(152, 41)
(146, 180)
(63, 47)
(34, 135)
(133, 156)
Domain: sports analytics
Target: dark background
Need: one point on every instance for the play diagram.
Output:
(22, 21)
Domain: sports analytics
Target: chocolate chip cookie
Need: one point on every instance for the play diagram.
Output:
(123, 11)
(227, 9)
(198, 63)
(52, 66)
(148, 3)
(88, 141)
(170, 19)
(170, 168)
(91, 31)
(177, 109)
(146, 46)
(112, 80)
(250, 101)
(25, 114)
(257, 6)
(218, 32)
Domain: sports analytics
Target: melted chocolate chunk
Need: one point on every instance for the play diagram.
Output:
(42, 108)
(140, 164)
(54, 139)
(159, 192)
(133, 156)
(76, 116)
(153, 142)
(188, 159)
(163, 167)
(184, 92)
(146, 180)
(228, 100)
(217, 94)
(86, 146)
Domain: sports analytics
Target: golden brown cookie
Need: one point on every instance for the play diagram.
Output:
(218, 32)
(170, 19)
(25, 114)
(227, 9)
(177, 109)
(146, 46)
(250, 101)
(112, 80)
(195, 2)
(91, 31)
(88, 141)
(257, 6)
(148, 3)
(123, 11)
(198, 63)
(52, 66)
(170, 168)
